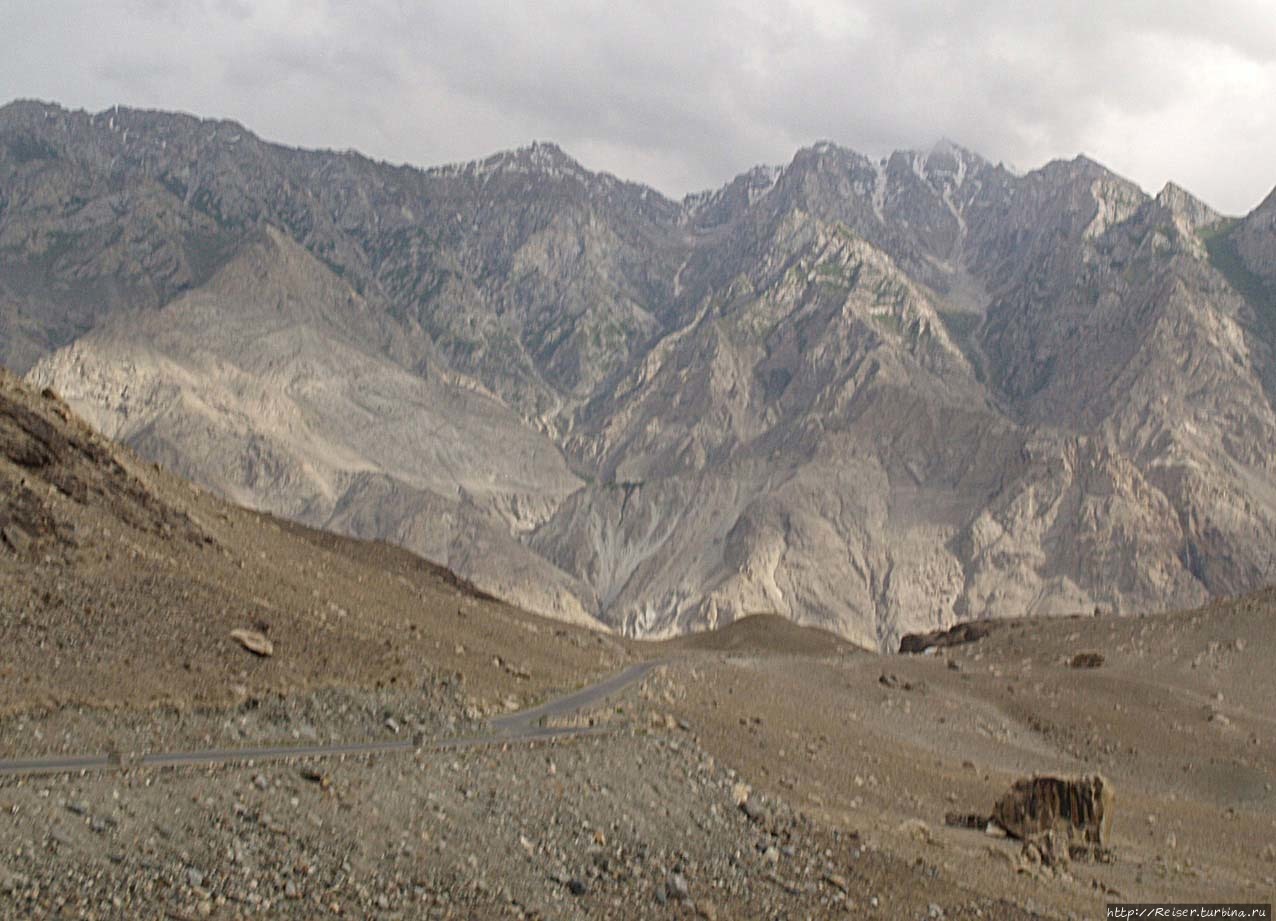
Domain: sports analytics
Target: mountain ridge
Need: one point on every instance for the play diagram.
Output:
(871, 395)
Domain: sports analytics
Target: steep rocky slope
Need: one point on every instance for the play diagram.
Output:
(874, 395)
(120, 585)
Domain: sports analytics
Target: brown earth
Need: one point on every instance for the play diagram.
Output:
(122, 584)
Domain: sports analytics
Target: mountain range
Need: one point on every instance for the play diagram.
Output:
(875, 395)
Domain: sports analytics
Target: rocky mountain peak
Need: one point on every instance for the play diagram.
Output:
(874, 395)
(1184, 205)
(539, 159)
(1267, 210)
(948, 164)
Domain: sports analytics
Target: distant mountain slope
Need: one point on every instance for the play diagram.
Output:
(872, 395)
(120, 585)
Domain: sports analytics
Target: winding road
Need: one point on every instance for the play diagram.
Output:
(523, 726)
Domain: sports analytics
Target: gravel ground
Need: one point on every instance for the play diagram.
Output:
(633, 825)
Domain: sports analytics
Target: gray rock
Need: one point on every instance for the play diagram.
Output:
(1017, 388)
(17, 539)
(755, 811)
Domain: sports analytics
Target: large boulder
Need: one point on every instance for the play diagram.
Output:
(966, 632)
(1080, 807)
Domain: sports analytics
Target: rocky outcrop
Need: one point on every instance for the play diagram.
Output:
(969, 632)
(1080, 808)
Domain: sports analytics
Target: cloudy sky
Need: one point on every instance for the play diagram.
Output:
(685, 94)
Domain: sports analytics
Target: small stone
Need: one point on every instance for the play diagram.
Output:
(16, 538)
(577, 886)
(934, 910)
(291, 891)
(254, 641)
(79, 807)
(260, 782)
(11, 881)
(917, 830)
(194, 878)
(677, 887)
(392, 724)
(754, 811)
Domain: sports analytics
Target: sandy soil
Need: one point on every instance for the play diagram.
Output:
(121, 584)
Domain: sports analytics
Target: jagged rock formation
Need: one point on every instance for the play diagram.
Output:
(875, 396)
(1079, 807)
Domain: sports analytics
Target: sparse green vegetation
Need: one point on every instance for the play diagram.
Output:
(27, 149)
(889, 291)
(960, 325)
(1227, 259)
(889, 322)
(837, 275)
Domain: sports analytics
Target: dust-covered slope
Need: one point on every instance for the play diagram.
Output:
(261, 385)
(120, 585)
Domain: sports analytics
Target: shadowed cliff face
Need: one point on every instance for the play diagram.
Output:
(869, 395)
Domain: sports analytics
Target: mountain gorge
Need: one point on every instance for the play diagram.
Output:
(870, 395)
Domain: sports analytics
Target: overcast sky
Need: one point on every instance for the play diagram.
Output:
(683, 95)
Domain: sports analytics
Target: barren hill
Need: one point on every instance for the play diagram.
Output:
(764, 769)
(122, 584)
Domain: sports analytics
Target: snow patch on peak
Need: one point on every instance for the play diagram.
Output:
(879, 189)
(542, 158)
(755, 184)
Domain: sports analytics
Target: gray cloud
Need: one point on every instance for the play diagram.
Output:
(684, 95)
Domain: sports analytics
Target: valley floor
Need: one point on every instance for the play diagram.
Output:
(847, 761)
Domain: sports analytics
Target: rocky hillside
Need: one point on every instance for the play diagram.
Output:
(871, 395)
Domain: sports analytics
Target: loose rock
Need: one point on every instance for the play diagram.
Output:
(254, 641)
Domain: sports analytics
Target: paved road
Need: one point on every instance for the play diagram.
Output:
(524, 726)
(525, 720)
